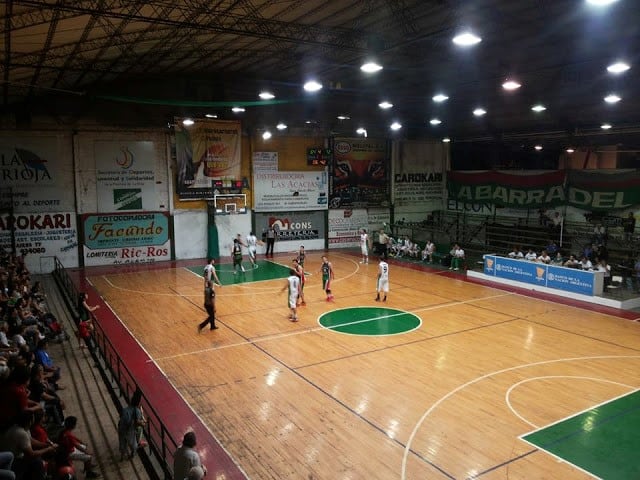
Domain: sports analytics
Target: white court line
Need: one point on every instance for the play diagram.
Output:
(507, 395)
(316, 329)
(407, 448)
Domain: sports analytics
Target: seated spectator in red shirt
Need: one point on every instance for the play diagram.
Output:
(73, 449)
(14, 397)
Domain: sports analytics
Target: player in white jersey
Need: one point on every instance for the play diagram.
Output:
(383, 280)
(364, 245)
(252, 242)
(293, 285)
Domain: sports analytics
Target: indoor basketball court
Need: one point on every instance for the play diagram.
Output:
(447, 379)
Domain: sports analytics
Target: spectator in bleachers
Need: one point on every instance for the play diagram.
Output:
(458, 257)
(429, 250)
(604, 267)
(516, 253)
(544, 257)
(14, 396)
(599, 234)
(51, 371)
(72, 449)
(6, 461)
(629, 227)
(552, 248)
(531, 255)
(585, 264)
(558, 260)
(28, 463)
(186, 457)
(572, 262)
(40, 391)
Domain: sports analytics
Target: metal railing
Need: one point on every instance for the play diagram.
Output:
(161, 442)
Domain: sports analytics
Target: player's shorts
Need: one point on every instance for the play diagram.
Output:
(383, 285)
(293, 299)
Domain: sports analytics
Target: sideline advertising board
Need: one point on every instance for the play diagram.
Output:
(293, 229)
(561, 278)
(345, 226)
(117, 238)
(42, 235)
(290, 191)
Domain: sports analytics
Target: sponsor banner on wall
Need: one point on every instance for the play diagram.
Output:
(592, 191)
(378, 218)
(360, 173)
(125, 178)
(345, 226)
(561, 278)
(290, 191)
(206, 151)
(265, 162)
(120, 238)
(292, 226)
(35, 177)
(40, 235)
(418, 173)
(471, 208)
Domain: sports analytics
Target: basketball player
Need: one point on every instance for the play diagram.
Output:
(252, 242)
(364, 245)
(327, 276)
(383, 280)
(301, 255)
(210, 273)
(293, 285)
(236, 255)
(297, 266)
(210, 278)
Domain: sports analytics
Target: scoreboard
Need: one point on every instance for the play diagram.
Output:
(318, 156)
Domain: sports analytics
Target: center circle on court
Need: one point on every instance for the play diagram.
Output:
(370, 321)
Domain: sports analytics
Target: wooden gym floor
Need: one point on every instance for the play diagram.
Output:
(447, 397)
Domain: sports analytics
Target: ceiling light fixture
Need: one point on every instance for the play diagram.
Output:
(439, 98)
(466, 39)
(362, 131)
(344, 117)
(618, 67)
(266, 135)
(569, 150)
(371, 67)
(187, 122)
(237, 109)
(435, 121)
(538, 147)
(538, 108)
(211, 115)
(395, 126)
(266, 95)
(605, 126)
(511, 85)
(612, 98)
(601, 3)
(312, 86)
(478, 112)
(446, 140)
(281, 126)
(385, 105)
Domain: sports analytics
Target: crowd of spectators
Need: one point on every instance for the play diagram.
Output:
(37, 439)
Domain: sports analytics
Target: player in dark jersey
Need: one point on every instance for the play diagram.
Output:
(327, 276)
(236, 255)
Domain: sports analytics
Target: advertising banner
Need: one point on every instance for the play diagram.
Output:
(293, 229)
(360, 173)
(290, 191)
(125, 178)
(265, 162)
(345, 226)
(112, 239)
(561, 278)
(35, 175)
(592, 191)
(42, 235)
(419, 174)
(205, 151)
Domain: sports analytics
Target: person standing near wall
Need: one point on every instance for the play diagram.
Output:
(271, 240)
(383, 240)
